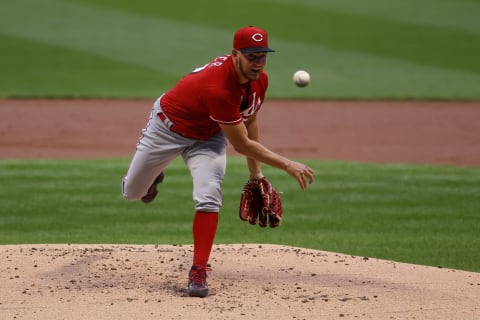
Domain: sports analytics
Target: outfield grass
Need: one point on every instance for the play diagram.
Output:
(414, 49)
(411, 213)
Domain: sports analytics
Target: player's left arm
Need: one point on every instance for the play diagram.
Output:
(254, 166)
(237, 135)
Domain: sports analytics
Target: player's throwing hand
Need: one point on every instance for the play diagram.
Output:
(301, 172)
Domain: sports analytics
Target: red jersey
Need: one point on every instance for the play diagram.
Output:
(212, 95)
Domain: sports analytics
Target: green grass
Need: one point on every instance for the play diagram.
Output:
(70, 71)
(414, 49)
(410, 213)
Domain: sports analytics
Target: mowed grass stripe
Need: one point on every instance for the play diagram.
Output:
(437, 47)
(51, 71)
(394, 219)
(453, 14)
(332, 26)
(164, 42)
(395, 212)
(76, 201)
(159, 44)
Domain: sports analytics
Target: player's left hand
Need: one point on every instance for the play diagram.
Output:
(260, 201)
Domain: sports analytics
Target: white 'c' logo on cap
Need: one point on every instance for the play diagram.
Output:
(257, 37)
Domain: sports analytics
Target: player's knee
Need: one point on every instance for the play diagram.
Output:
(209, 198)
(128, 193)
(207, 207)
(130, 197)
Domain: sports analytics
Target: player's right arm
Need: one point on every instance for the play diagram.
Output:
(254, 166)
(237, 135)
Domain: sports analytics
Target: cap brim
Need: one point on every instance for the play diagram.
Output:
(256, 49)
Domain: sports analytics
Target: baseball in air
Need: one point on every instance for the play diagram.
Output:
(301, 78)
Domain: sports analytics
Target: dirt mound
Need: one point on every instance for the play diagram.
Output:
(247, 282)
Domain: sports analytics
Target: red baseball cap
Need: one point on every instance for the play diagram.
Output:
(251, 39)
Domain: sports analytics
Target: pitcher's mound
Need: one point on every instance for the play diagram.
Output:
(247, 282)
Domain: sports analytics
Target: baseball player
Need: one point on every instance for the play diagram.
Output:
(214, 103)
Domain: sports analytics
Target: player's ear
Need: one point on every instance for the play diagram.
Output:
(235, 56)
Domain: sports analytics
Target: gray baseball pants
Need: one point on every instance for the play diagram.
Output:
(159, 146)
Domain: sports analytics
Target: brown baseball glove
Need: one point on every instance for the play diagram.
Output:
(260, 202)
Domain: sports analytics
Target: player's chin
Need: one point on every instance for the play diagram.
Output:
(254, 75)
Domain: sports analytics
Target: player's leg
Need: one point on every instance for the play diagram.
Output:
(157, 148)
(206, 161)
(143, 170)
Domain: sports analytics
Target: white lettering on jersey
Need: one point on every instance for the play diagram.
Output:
(256, 103)
(215, 63)
(200, 68)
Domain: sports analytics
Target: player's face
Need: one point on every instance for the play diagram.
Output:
(250, 65)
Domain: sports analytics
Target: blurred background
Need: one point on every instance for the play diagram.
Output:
(369, 49)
